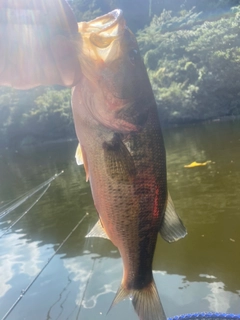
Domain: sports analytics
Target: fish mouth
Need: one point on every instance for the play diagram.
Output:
(100, 34)
(108, 25)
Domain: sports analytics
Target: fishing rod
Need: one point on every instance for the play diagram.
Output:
(23, 198)
(32, 205)
(85, 289)
(24, 291)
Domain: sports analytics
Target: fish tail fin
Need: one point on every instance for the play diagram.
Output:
(146, 302)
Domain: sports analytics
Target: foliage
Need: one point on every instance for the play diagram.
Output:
(138, 12)
(206, 6)
(193, 65)
(86, 10)
(35, 115)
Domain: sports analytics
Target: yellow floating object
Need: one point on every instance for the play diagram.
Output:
(197, 164)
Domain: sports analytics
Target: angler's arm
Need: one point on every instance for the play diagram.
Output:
(37, 44)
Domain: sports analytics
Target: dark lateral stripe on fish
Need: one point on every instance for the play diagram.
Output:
(143, 275)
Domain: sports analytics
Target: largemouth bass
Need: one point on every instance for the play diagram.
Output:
(122, 149)
(116, 121)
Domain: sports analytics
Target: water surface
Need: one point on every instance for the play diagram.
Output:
(198, 273)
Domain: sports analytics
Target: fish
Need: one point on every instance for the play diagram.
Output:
(116, 120)
(122, 149)
(36, 45)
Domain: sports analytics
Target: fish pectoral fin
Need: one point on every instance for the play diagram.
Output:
(97, 231)
(119, 162)
(172, 228)
(81, 158)
(78, 155)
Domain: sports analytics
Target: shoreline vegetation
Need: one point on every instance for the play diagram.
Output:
(33, 140)
(192, 57)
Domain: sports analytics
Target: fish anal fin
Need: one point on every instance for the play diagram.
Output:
(172, 228)
(121, 294)
(97, 231)
(120, 163)
(81, 158)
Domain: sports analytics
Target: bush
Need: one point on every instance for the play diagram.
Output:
(38, 115)
(193, 65)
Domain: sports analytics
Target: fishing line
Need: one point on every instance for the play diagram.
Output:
(24, 291)
(32, 205)
(8, 203)
(25, 198)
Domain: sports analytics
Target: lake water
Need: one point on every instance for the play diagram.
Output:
(198, 273)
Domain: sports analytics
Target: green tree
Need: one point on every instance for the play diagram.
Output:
(193, 65)
(36, 115)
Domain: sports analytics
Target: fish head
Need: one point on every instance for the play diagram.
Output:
(36, 43)
(110, 59)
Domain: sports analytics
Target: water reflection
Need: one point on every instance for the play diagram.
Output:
(17, 257)
(199, 273)
(219, 299)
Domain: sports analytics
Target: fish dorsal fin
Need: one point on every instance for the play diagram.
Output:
(81, 158)
(97, 231)
(172, 228)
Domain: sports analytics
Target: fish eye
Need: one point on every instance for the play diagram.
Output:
(133, 54)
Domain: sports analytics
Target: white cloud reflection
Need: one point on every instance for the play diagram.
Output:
(207, 276)
(219, 299)
(89, 272)
(18, 256)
